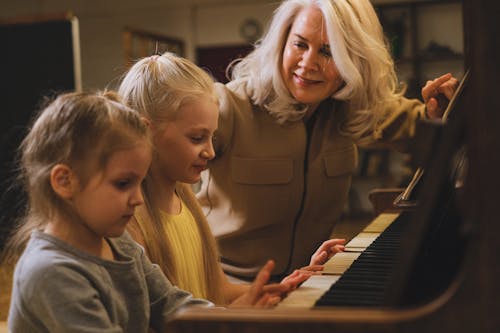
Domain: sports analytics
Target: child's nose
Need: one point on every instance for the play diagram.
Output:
(137, 197)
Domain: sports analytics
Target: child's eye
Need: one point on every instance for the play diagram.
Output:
(122, 184)
(197, 139)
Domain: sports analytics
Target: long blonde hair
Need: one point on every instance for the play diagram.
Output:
(157, 87)
(360, 52)
(77, 129)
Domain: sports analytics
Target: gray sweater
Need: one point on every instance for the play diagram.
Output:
(58, 288)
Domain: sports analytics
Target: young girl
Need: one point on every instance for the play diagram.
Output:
(82, 165)
(178, 99)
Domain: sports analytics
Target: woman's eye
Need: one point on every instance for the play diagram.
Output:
(300, 45)
(326, 52)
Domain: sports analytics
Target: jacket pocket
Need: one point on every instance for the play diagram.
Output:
(341, 162)
(261, 171)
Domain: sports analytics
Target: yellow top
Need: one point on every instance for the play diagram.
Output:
(185, 240)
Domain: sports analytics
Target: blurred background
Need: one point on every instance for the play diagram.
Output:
(54, 45)
(205, 27)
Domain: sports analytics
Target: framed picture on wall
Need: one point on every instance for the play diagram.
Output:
(139, 43)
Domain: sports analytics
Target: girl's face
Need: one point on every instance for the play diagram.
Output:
(107, 202)
(183, 146)
(308, 69)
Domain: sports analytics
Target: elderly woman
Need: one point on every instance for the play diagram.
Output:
(319, 83)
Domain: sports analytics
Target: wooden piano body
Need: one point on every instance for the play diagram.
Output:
(471, 300)
(298, 314)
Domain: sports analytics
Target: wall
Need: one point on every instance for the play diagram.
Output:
(442, 24)
(197, 22)
(200, 22)
(220, 24)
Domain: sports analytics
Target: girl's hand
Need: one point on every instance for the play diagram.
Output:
(327, 250)
(299, 276)
(260, 294)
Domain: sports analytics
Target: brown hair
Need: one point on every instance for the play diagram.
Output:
(81, 130)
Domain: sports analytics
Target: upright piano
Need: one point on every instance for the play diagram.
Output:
(431, 269)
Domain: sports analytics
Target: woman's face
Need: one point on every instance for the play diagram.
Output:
(308, 69)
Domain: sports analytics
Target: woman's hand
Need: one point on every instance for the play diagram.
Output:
(437, 93)
(327, 250)
(260, 294)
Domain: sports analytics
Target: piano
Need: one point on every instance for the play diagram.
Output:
(347, 268)
(445, 270)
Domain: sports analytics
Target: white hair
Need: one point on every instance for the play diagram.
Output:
(360, 52)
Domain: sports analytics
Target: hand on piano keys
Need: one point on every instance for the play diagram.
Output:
(326, 251)
(312, 289)
(261, 294)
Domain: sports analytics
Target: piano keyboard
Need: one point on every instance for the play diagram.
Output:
(313, 290)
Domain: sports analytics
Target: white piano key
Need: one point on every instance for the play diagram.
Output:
(381, 222)
(340, 262)
(362, 240)
(306, 295)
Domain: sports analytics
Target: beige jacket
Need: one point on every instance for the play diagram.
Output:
(267, 195)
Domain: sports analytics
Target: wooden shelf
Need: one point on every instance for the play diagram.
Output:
(402, 22)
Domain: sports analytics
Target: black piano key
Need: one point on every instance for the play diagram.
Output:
(364, 283)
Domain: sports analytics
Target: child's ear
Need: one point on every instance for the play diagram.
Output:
(63, 181)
